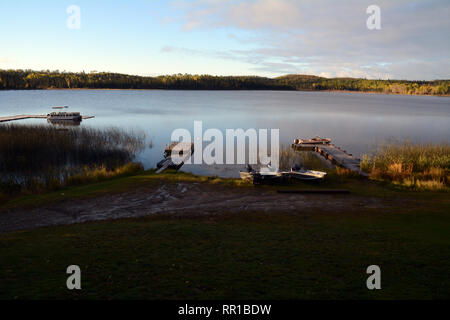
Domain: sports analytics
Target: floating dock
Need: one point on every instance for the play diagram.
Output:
(183, 150)
(32, 116)
(332, 153)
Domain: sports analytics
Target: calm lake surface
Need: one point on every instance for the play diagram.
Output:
(355, 122)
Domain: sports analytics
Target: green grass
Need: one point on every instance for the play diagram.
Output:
(250, 255)
(308, 255)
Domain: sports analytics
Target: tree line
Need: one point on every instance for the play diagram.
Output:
(32, 80)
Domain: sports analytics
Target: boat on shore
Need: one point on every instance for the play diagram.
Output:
(300, 173)
(261, 177)
(296, 173)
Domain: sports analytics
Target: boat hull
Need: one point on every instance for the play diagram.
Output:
(262, 178)
(307, 175)
(256, 177)
(62, 118)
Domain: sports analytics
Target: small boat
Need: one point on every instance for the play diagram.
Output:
(260, 177)
(316, 140)
(60, 107)
(306, 175)
(297, 173)
(70, 116)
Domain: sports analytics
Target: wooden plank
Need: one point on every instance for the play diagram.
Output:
(31, 116)
(22, 117)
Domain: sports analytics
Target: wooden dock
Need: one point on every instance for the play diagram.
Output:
(32, 116)
(184, 150)
(334, 154)
(22, 117)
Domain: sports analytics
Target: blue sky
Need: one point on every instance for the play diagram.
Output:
(241, 37)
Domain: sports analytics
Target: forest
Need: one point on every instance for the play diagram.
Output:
(32, 80)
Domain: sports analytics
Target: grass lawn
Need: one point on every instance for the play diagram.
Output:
(252, 255)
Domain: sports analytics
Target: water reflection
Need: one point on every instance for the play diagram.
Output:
(64, 123)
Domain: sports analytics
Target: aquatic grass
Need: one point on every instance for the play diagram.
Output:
(307, 159)
(39, 157)
(418, 166)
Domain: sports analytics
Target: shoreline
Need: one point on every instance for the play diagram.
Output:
(224, 90)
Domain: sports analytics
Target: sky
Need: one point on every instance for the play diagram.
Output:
(229, 37)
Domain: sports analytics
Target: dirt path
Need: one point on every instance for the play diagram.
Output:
(179, 199)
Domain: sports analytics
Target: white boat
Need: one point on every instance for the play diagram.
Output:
(259, 177)
(310, 175)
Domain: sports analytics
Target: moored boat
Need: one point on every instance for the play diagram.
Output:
(70, 116)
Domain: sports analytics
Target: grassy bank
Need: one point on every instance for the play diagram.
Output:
(418, 166)
(307, 255)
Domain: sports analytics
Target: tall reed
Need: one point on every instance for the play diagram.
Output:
(44, 155)
(289, 157)
(421, 166)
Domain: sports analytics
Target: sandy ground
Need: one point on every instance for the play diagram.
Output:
(181, 199)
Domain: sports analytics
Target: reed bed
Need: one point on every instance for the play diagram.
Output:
(289, 157)
(419, 166)
(44, 157)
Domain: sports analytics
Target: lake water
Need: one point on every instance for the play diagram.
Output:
(355, 122)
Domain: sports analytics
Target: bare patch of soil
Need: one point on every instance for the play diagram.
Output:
(181, 199)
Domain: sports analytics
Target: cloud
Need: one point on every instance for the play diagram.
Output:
(331, 37)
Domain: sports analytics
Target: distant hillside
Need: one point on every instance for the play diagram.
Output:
(28, 79)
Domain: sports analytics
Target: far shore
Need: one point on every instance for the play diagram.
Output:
(131, 89)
